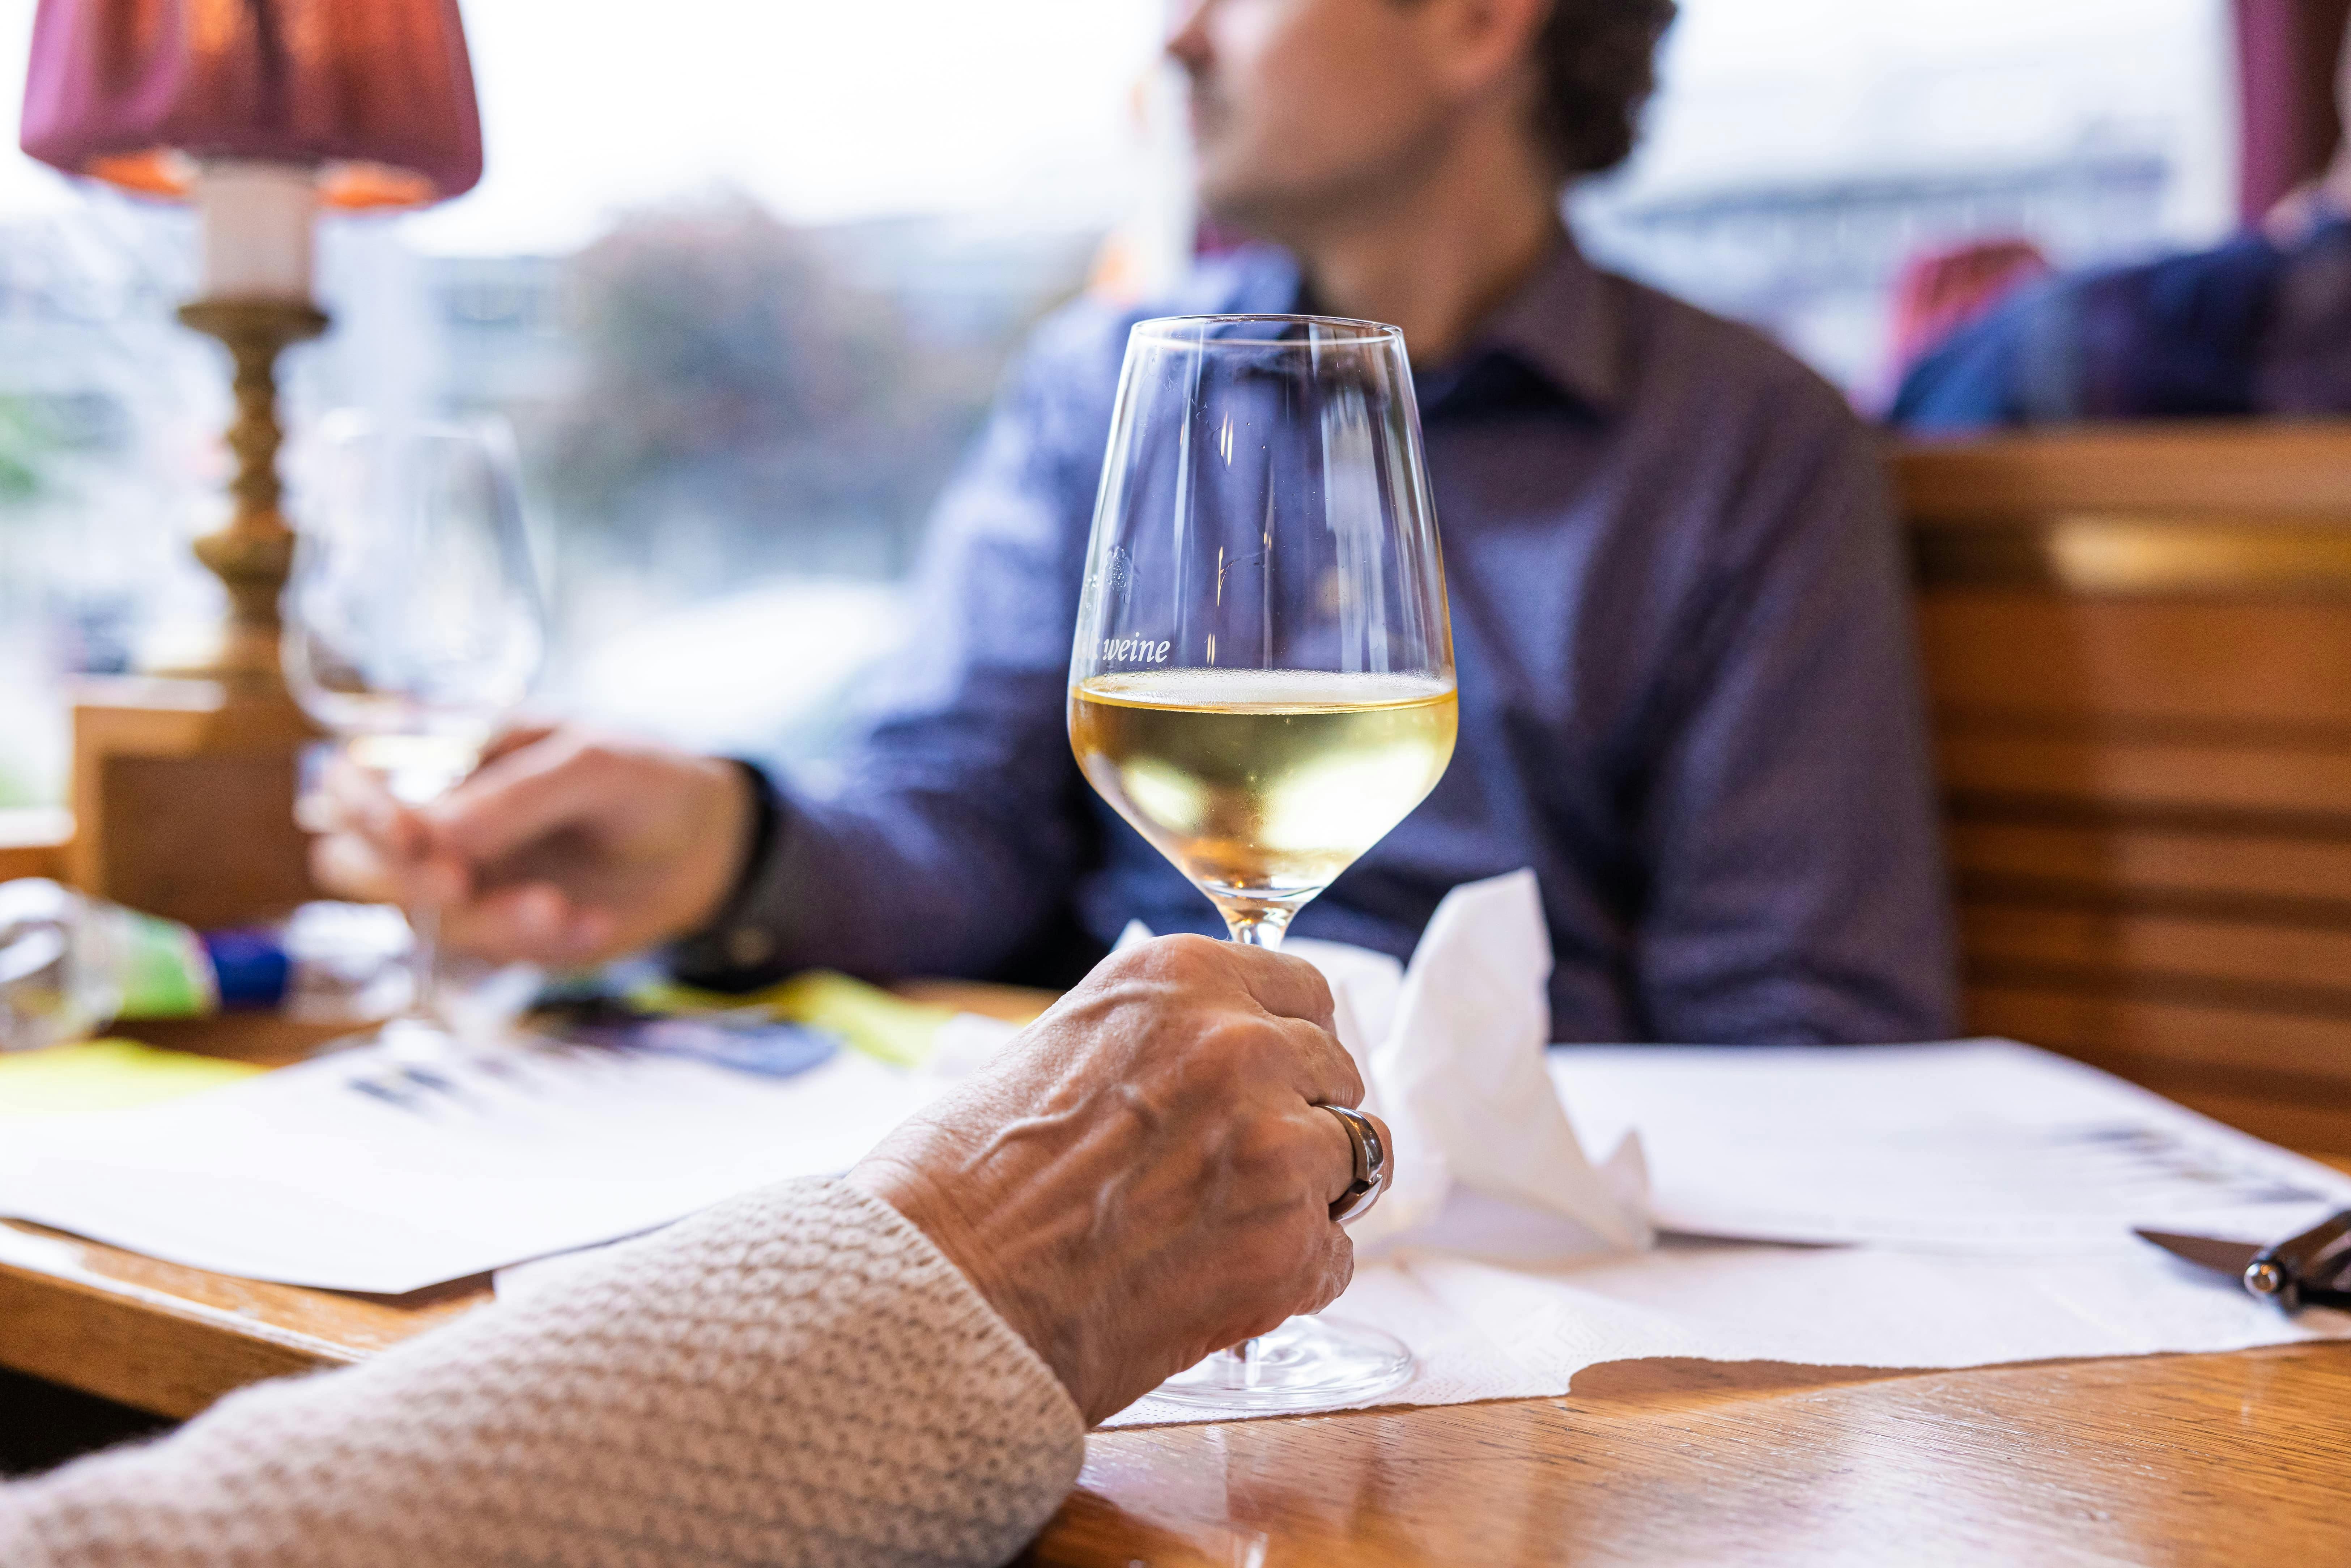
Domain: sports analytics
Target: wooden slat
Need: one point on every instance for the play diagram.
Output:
(2126, 866)
(2310, 967)
(2104, 554)
(2138, 646)
(2282, 469)
(2243, 665)
(2306, 788)
(2139, 1037)
(2133, 1035)
(2299, 1124)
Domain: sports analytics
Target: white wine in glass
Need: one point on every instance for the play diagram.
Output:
(1262, 683)
(1262, 785)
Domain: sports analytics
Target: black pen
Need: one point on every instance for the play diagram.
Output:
(2309, 1270)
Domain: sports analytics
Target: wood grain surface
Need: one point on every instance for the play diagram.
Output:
(2166, 1459)
(171, 1339)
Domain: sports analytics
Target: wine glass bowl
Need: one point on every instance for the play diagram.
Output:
(1262, 679)
(1262, 683)
(413, 613)
(412, 617)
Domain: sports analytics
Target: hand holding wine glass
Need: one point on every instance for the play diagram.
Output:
(1262, 683)
(414, 621)
(566, 846)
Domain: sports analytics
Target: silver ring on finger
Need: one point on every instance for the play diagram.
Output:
(1371, 1173)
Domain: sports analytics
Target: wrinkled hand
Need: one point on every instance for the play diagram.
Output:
(564, 847)
(1143, 1177)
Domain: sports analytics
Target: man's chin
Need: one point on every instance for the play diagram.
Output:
(1238, 199)
(1242, 213)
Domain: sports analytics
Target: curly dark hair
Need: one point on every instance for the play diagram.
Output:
(1598, 63)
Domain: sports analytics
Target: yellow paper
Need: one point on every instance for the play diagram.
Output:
(106, 1076)
(868, 1019)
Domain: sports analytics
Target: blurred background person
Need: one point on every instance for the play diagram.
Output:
(1944, 289)
(1688, 680)
(2258, 326)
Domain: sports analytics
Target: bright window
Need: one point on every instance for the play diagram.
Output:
(1800, 151)
(743, 276)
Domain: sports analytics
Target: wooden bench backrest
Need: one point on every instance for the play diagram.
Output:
(2138, 650)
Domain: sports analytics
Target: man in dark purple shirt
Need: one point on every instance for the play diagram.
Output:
(1688, 693)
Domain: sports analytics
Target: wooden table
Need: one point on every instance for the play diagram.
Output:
(2162, 1459)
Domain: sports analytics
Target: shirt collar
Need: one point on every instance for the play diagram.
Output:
(1558, 324)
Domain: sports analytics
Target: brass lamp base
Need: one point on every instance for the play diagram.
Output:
(253, 552)
(183, 788)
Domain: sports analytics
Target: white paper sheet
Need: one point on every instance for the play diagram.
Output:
(295, 1176)
(1459, 1072)
(1481, 1331)
(1986, 1191)
(1980, 1146)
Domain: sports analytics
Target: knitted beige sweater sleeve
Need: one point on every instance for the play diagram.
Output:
(795, 1376)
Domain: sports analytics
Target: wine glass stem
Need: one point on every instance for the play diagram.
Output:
(1257, 927)
(425, 963)
(1253, 927)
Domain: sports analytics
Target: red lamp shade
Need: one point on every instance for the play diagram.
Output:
(378, 94)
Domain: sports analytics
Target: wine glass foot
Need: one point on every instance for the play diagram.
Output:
(1307, 1363)
(415, 1038)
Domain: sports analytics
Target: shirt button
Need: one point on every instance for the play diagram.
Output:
(747, 945)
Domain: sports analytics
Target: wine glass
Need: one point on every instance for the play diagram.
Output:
(1262, 681)
(414, 621)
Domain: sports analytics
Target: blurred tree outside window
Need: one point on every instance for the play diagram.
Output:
(732, 368)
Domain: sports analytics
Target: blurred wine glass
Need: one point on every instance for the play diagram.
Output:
(1262, 681)
(414, 620)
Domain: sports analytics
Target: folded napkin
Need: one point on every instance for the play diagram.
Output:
(1452, 1053)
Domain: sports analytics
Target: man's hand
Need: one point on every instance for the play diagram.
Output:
(564, 847)
(1143, 1177)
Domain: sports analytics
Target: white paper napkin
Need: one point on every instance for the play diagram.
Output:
(1487, 1163)
(1452, 1052)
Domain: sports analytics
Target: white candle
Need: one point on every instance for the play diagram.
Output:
(256, 220)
